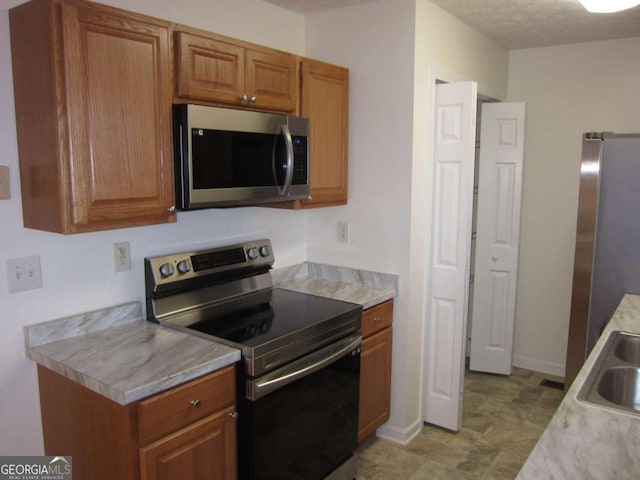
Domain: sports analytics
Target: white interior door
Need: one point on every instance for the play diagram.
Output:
(497, 236)
(451, 246)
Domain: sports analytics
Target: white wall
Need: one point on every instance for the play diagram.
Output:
(77, 269)
(569, 90)
(375, 41)
(393, 50)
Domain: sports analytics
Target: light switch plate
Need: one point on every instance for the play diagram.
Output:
(24, 274)
(5, 193)
(343, 232)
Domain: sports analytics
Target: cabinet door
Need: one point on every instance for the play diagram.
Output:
(272, 80)
(325, 101)
(118, 101)
(375, 382)
(209, 69)
(206, 450)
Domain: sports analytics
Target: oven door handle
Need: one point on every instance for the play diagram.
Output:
(301, 368)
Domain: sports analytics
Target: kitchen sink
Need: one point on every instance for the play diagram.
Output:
(614, 380)
(620, 385)
(627, 348)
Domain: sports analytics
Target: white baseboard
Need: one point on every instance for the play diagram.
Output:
(541, 366)
(401, 436)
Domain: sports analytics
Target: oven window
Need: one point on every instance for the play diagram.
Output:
(304, 430)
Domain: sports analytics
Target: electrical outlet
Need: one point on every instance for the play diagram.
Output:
(121, 257)
(5, 193)
(343, 232)
(24, 274)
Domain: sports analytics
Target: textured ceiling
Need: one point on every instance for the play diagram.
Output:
(315, 6)
(518, 23)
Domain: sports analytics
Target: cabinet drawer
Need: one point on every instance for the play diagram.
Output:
(376, 318)
(180, 406)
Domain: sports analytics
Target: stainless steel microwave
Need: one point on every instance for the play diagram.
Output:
(227, 158)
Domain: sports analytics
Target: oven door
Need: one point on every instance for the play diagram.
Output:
(301, 421)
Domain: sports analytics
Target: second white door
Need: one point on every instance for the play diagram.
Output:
(497, 236)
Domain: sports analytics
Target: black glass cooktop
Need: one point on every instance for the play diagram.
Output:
(286, 312)
(288, 324)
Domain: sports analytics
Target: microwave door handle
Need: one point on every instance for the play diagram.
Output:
(286, 134)
(289, 143)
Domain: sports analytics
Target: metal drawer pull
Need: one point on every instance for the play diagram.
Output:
(196, 403)
(234, 415)
(377, 319)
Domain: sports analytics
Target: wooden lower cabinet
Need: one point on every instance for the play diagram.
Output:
(375, 369)
(186, 433)
(204, 450)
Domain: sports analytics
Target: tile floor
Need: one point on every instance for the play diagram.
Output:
(502, 419)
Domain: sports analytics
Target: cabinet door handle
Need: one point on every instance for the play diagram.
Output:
(171, 209)
(377, 319)
(234, 415)
(252, 99)
(196, 403)
(244, 98)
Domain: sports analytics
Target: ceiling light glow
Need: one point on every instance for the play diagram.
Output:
(608, 6)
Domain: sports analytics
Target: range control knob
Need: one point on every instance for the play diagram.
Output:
(252, 253)
(184, 266)
(166, 270)
(264, 251)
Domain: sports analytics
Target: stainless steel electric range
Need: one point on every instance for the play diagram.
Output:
(298, 380)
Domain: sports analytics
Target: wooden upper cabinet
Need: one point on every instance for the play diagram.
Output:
(93, 116)
(325, 101)
(221, 70)
(209, 68)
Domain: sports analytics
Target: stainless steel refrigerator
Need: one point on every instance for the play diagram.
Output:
(607, 254)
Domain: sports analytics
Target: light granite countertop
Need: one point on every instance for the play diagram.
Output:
(364, 287)
(118, 354)
(584, 441)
